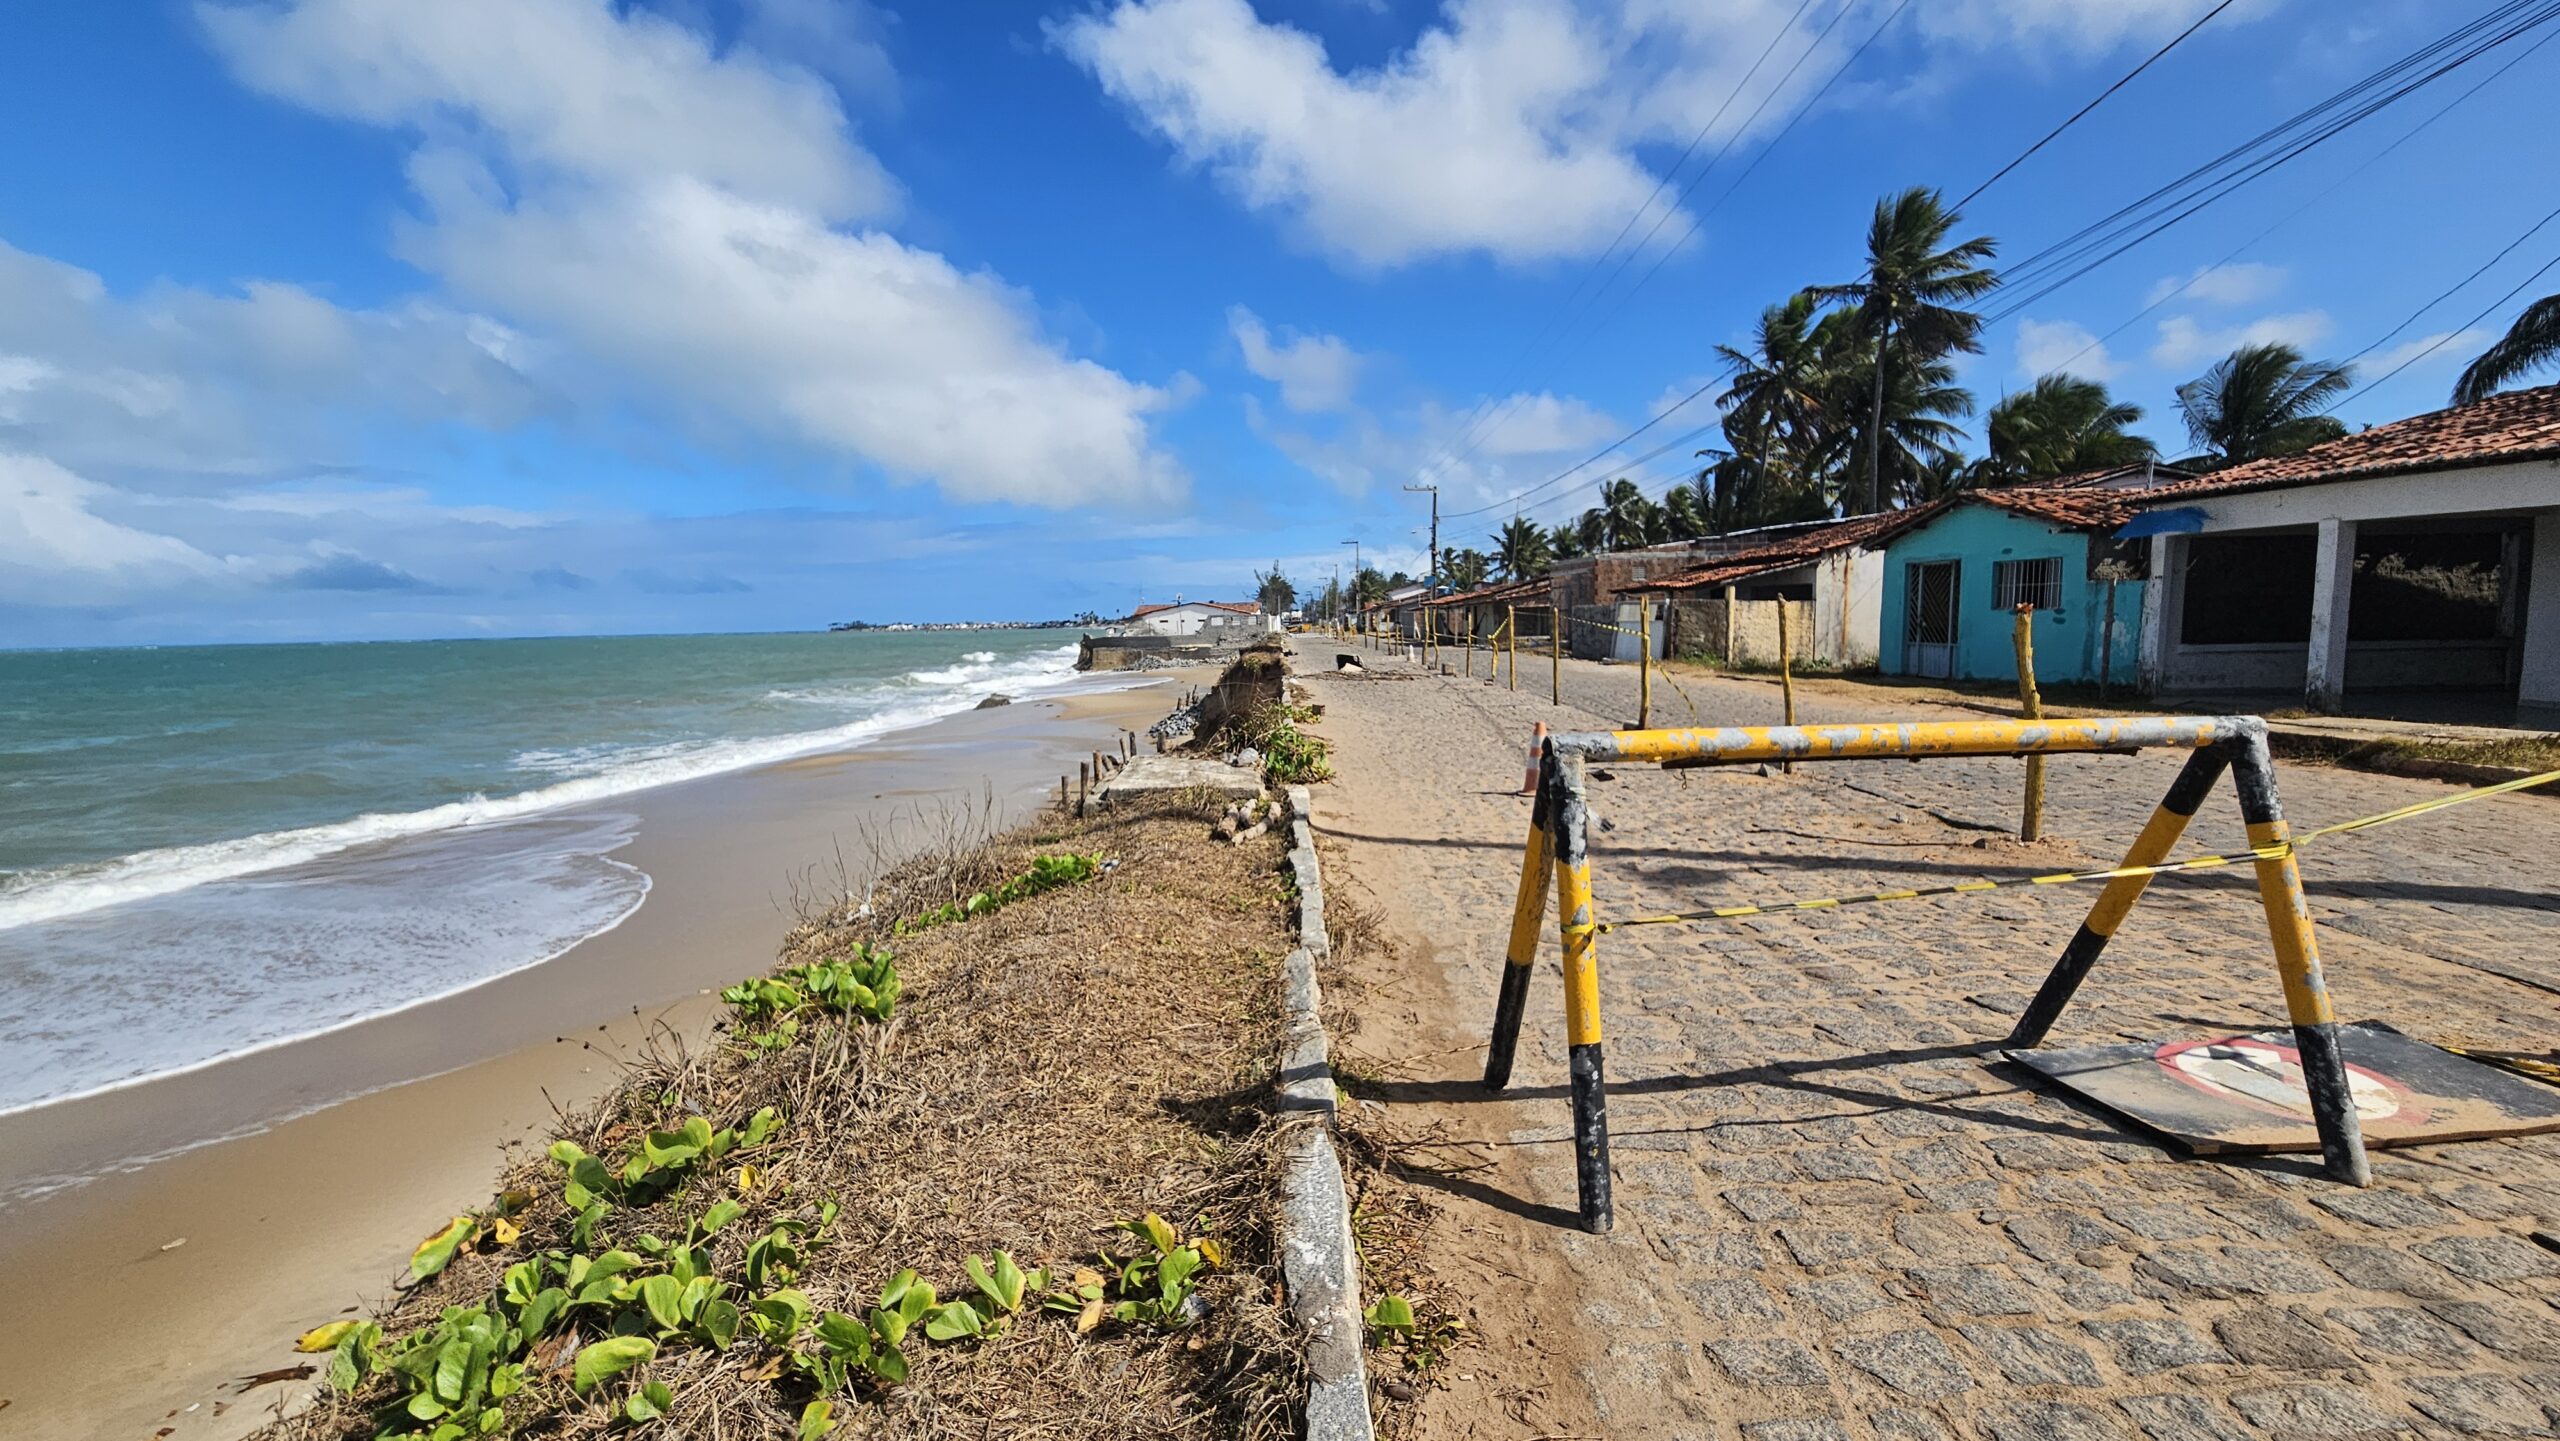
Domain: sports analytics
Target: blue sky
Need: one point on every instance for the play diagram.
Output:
(368, 319)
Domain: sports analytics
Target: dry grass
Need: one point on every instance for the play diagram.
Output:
(1395, 1219)
(1073, 1060)
(2527, 752)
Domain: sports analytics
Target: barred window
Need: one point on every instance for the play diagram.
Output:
(2036, 583)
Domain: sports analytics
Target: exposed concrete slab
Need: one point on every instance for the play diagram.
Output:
(1153, 775)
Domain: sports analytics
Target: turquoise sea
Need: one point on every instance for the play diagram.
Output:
(206, 850)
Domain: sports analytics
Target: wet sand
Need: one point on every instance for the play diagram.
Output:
(140, 1295)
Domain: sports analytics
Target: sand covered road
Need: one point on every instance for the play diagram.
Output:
(1836, 1219)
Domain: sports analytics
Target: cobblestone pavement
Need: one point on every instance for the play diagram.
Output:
(1838, 1215)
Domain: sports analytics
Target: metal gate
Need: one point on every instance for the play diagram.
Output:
(1929, 620)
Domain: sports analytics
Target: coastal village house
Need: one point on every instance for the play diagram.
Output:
(2419, 556)
(1952, 579)
(1208, 619)
(1830, 573)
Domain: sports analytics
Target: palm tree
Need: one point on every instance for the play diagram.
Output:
(1684, 512)
(1465, 569)
(1368, 586)
(1628, 520)
(1913, 290)
(1565, 542)
(1273, 591)
(2263, 400)
(1780, 394)
(2529, 344)
(2060, 425)
(1593, 526)
(1520, 548)
(1919, 433)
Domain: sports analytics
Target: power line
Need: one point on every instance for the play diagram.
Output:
(2290, 216)
(2442, 340)
(2093, 104)
(1595, 457)
(1789, 128)
(2209, 182)
(2447, 293)
(1782, 134)
(1696, 220)
(1469, 439)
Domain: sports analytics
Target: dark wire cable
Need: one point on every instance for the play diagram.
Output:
(2442, 340)
(2296, 213)
(1971, 195)
(1561, 319)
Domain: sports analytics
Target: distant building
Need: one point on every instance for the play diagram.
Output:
(1210, 619)
(1833, 568)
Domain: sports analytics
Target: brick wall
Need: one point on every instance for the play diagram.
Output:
(1698, 631)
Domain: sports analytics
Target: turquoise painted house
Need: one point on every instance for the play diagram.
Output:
(1953, 580)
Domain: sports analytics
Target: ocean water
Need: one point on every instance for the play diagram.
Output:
(208, 850)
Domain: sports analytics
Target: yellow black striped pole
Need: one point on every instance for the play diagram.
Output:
(2168, 822)
(1528, 909)
(2306, 991)
(1570, 822)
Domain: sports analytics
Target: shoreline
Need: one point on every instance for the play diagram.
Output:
(332, 1153)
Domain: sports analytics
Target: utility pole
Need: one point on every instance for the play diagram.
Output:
(1431, 557)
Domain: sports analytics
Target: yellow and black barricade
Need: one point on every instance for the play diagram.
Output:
(1557, 846)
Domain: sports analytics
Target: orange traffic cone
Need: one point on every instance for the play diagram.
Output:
(1537, 745)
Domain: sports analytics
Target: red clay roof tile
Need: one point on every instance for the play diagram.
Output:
(2518, 425)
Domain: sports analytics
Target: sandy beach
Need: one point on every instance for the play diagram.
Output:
(199, 1267)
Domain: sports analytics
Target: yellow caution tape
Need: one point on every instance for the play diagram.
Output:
(2193, 863)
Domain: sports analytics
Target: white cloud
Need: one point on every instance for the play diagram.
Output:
(1543, 424)
(563, 88)
(1470, 455)
(181, 382)
(1509, 127)
(2245, 283)
(2185, 342)
(1314, 372)
(56, 549)
(2077, 29)
(1476, 138)
(2061, 345)
(706, 225)
(2445, 347)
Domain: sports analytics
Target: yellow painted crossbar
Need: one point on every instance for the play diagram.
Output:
(1743, 745)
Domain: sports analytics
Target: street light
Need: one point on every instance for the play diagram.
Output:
(1355, 571)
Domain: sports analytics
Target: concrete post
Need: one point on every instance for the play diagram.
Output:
(2160, 594)
(2333, 577)
(2539, 684)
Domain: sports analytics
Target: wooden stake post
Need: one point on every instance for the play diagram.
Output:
(1644, 665)
(2030, 705)
(1786, 674)
(1555, 651)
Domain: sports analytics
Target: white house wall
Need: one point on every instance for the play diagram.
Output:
(1847, 586)
(2534, 486)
